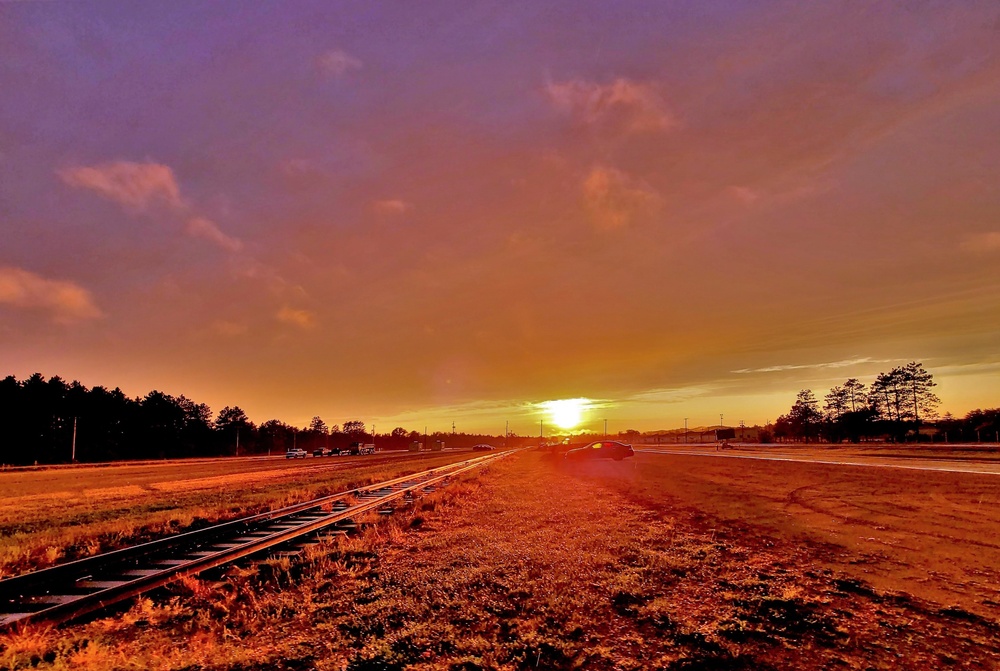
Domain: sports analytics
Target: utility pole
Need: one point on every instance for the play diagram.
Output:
(72, 456)
(453, 429)
(605, 429)
(685, 429)
(541, 429)
(720, 420)
(237, 441)
(506, 432)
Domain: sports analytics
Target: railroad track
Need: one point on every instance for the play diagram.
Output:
(68, 591)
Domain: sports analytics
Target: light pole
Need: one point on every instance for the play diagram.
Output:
(720, 420)
(72, 456)
(605, 429)
(685, 429)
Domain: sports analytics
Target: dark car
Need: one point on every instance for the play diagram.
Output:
(482, 447)
(601, 449)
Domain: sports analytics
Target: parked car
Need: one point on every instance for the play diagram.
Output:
(295, 454)
(482, 447)
(601, 449)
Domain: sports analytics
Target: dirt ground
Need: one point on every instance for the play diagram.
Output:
(934, 534)
(654, 563)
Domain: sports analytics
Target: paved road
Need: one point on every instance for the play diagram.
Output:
(914, 464)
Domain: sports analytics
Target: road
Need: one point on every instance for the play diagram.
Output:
(914, 462)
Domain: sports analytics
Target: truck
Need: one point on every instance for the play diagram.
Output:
(361, 448)
(416, 446)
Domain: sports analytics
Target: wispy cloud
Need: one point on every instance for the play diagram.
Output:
(135, 186)
(633, 106)
(338, 62)
(671, 395)
(844, 363)
(391, 207)
(301, 318)
(613, 198)
(206, 229)
(64, 301)
(982, 243)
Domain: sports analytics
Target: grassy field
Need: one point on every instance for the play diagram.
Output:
(665, 562)
(51, 515)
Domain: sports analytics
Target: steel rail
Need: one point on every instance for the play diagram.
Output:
(66, 577)
(54, 573)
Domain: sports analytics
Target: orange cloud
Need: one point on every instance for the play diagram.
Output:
(744, 194)
(982, 243)
(133, 185)
(206, 229)
(338, 62)
(301, 318)
(635, 107)
(64, 301)
(391, 207)
(613, 198)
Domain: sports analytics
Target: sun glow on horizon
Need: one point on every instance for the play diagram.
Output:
(566, 413)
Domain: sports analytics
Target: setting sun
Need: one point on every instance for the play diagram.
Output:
(567, 413)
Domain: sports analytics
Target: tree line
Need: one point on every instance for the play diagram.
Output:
(44, 421)
(893, 407)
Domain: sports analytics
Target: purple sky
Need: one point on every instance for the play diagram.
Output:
(419, 213)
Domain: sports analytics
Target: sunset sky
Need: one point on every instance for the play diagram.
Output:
(423, 213)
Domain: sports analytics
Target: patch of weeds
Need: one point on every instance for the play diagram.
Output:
(718, 662)
(659, 622)
(545, 653)
(739, 631)
(286, 664)
(956, 613)
(792, 619)
(379, 662)
(625, 603)
(466, 665)
(853, 586)
(698, 641)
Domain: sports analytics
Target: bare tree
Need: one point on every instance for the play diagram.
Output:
(318, 426)
(805, 417)
(855, 390)
(918, 384)
(837, 403)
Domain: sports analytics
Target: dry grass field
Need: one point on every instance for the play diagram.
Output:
(661, 562)
(56, 514)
